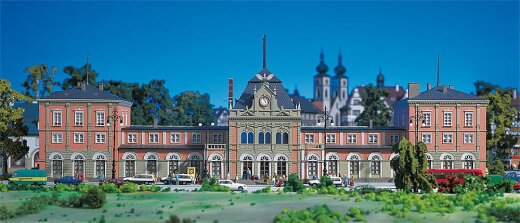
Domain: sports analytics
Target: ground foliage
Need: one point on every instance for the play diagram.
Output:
(211, 184)
(293, 184)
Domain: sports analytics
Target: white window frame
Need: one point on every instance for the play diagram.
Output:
(330, 138)
(57, 137)
(100, 118)
(469, 138)
(132, 137)
(197, 139)
(56, 117)
(100, 138)
(447, 118)
(153, 137)
(79, 137)
(468, 122)
(351, 138)
(427, 117)
(373, 138)
(175, 137)
(78, 118)
(309, 138)
(447, 138)
(426, 138)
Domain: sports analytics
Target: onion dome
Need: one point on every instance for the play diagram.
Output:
(340, 69)
(322, 68)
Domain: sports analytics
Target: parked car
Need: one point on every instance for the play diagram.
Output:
(335, 180)
(68, 180)
(184, 179)
(117, 182)
(141, 179)
(314, 182)
(232, 185)
(34, 177)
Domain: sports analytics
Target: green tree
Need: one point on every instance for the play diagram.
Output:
(496, 167)
(39, 82)
(484, 88)
(502, 114)
(410, 167)
(192, 108)
(11, 125)
(373, 100)
(79, 75)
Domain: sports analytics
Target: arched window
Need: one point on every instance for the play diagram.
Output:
(151, 164)
(281, 166)
(247, 167)
(430, 161)
(312, 166)
(264, 166)
(100, 165)
(354, 165)
(332, 164)
(375, 165)
(196, 161)
(447, 161)
(250, 138)
(57, 165)
(278, 138)
(243, 138)
(285, 138)
(468, 161)
(36, 157)
(78, 161)
(173, 164)
(261, 138)
(267, 138)
(129, 164)
(216, 166)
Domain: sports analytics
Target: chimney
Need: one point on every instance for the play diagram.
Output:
(444, 89)
(100, 86)
(370, 123)
(428, 86)
(83, 86)
(413, 90)
(230, 93)
(397, 88)
(155, 122)
(451, 86)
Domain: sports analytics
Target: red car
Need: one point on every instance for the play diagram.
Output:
(117, 182)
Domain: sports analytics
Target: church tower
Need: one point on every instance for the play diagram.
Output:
(340, 83)
(380, 79)
(322, 84)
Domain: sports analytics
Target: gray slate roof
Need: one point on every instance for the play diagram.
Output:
(306, 105)
(437, 93)
(90, 92)
(246, 99)
(30, 116)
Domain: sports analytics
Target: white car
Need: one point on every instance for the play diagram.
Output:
(141, 179)
(336, 180)
(184, 179)
(232, 185)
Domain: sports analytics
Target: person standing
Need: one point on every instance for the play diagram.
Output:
(248, 173)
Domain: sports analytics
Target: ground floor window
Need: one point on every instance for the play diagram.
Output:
(375, 165)
(332, 167)
(247, 168)
(100, 168)
(151, 166)
(281, 168)
(57, 168)
(354, 168)
(173, 167)
(79, 165)
(264, 168)
(129, 168)
(216, 167)
(447, 161)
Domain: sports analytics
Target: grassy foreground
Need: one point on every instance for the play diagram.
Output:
(211, 206)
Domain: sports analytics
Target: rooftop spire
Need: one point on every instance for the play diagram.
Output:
(438, 70)
(340, 69)
(87, 66)
(322, 67)
(264, 50)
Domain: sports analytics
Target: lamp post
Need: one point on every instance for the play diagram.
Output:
(414, 119)
(493, 127)
(206, 151)
(325, 117)
(113, 119)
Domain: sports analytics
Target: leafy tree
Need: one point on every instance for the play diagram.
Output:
(484, 88)
(410, 167)
(11, 125)
(496, 167)
(502, 114)
(192, 108)
(79, 75)
(39, 82)
(375, 109)
(293, 183)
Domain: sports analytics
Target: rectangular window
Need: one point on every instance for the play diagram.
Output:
(447, 138)
(78, 118)
(468, 138)
(373, 138)
(217, 138)
(394, 139)
(447, 118)
(427, 116)
(427, 138)
(79, 138)
(100, 137)
(330, 138)
(132, 138)
(468, 118)
(175, 137)
(196, 137)
(100, 118)
(351, 138)
(356, 112)
(153, 137)
(309, 138)
(56, 118)
(57, 138)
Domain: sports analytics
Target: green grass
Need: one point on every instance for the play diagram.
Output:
(221, 206)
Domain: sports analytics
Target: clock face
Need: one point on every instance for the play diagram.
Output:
(264, 101)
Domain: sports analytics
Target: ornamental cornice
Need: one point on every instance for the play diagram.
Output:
(79, 101)
(449, 102)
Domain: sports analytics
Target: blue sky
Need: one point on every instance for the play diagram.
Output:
(199, 45)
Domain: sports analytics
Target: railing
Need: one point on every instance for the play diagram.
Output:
(215, 146)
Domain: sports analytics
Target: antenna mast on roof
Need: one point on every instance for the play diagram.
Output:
(87, 66)
(265, 43)
(438, 70)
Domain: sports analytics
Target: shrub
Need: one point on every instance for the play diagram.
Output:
(212, 185)
(128, 188)
(314, 214)
(3, 188)
(74, 201)
(325, 181)
(293, 184)
(94, 198)
(109, 188)
(155, 188)
(176, 219)
(5, 213)
(63, 187)
(83, 188)
(263, 190)
(32, 205)
(166, 189)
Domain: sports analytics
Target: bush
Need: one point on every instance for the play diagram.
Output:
(83, 188)
(109, 188)
(263, 190)
(3, 188)
(73, 201)
(166, 189)
(94, 198)
(32, 205)
(293, 184)
(144, 188)
(314, 214)
(176, 219)
(212, 185)
(5, 213)
(63, 187)
(155, 188)
(128, 188)
(325, 181)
